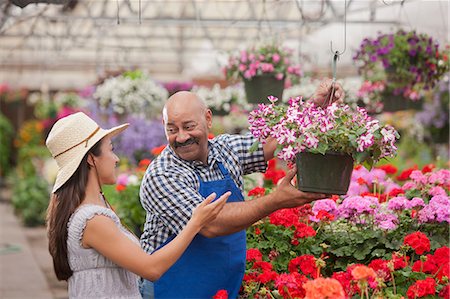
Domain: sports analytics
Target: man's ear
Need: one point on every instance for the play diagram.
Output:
(208, 116)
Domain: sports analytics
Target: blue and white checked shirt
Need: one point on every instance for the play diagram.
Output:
(169, 189)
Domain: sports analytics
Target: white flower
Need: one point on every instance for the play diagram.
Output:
(125, 95)
(222, 98)
(133, 180)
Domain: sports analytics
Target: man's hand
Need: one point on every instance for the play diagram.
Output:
(322, 94)
(288, 196)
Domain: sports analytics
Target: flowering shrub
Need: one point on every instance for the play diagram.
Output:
(264, 60)
(124, 197)
(142, 135)
(175, 86)
(435, 115)
(131, 93)
(413, 58)
(223, 100)
(305, 253)
(303, 126)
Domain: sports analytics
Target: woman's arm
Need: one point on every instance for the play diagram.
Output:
(102, 234)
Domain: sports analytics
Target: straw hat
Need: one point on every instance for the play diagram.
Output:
(70, 139)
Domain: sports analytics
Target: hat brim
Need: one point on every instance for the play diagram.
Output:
(76, 155)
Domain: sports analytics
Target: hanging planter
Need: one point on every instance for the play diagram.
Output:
(314, 137)
(258, 88)
(393, 103)
(329, 173)
(264, 70)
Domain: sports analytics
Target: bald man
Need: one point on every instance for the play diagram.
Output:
(187, 171)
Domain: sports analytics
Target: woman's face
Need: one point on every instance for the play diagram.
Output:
(106, 163)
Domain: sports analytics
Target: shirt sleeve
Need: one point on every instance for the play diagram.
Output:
(251, 161)
(171, 198)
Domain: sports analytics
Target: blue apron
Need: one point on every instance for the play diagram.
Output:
(208, 264)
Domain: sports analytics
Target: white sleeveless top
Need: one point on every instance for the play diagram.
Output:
(95, 276)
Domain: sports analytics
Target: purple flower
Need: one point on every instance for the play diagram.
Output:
(323, 205)
(437, 210)
(416, 202)
(142, 136)
(354, 206)
(398, 203)
(386, 221)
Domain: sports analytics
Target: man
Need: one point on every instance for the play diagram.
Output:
(187, 171)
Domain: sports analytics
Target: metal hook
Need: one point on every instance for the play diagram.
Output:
(345, 33)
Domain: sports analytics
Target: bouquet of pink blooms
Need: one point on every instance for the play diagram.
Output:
(304, 127)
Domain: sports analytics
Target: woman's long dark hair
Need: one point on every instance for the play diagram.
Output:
(63, 204)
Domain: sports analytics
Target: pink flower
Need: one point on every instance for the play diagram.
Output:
(276, 58)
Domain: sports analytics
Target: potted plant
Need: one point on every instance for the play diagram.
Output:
(133, 92)
(324, 142)
(222, 101)
(265, 70)
(408, 62)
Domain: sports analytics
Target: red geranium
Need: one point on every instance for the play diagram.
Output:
(395, 192)
(418, 241)
(285, 217)
(445, 292)
(345, 279)
(323, 215)
(157, 150)
(291, 285)
(304, 231)
(399, 261)
(422, 288)
(388, 168)
(257, 191)
(406, 173)
(272, 173)
(254, 254)
(428, 168)
(120, 187)
(306, 264)
(381, 268)
(222, 294)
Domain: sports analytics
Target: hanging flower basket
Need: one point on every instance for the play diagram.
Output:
(329, 173)
(258, 88)
(264, 70)
(393, 103)
(312, 136)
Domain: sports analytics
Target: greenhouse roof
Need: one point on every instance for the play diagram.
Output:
(72, 44)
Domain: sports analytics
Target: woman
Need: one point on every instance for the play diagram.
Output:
(89, 246)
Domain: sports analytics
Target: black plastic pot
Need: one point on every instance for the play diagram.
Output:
(329, 173)
(393, 103)
(260, 87)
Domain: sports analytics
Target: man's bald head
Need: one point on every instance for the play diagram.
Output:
(182, 100)
(187, 121)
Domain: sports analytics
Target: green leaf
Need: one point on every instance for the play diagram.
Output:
(254, 146)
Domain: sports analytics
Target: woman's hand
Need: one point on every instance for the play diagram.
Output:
(207, 211)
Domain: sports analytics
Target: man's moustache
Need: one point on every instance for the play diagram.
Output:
(187, 142)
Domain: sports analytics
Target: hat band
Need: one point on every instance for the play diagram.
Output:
(84, 140)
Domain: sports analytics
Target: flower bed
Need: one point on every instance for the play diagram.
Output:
(387, 238)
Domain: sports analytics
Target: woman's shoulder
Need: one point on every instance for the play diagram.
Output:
(78, 220)
(86, 212)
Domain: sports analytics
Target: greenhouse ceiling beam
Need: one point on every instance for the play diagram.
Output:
(112, 48)
(223, 22)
